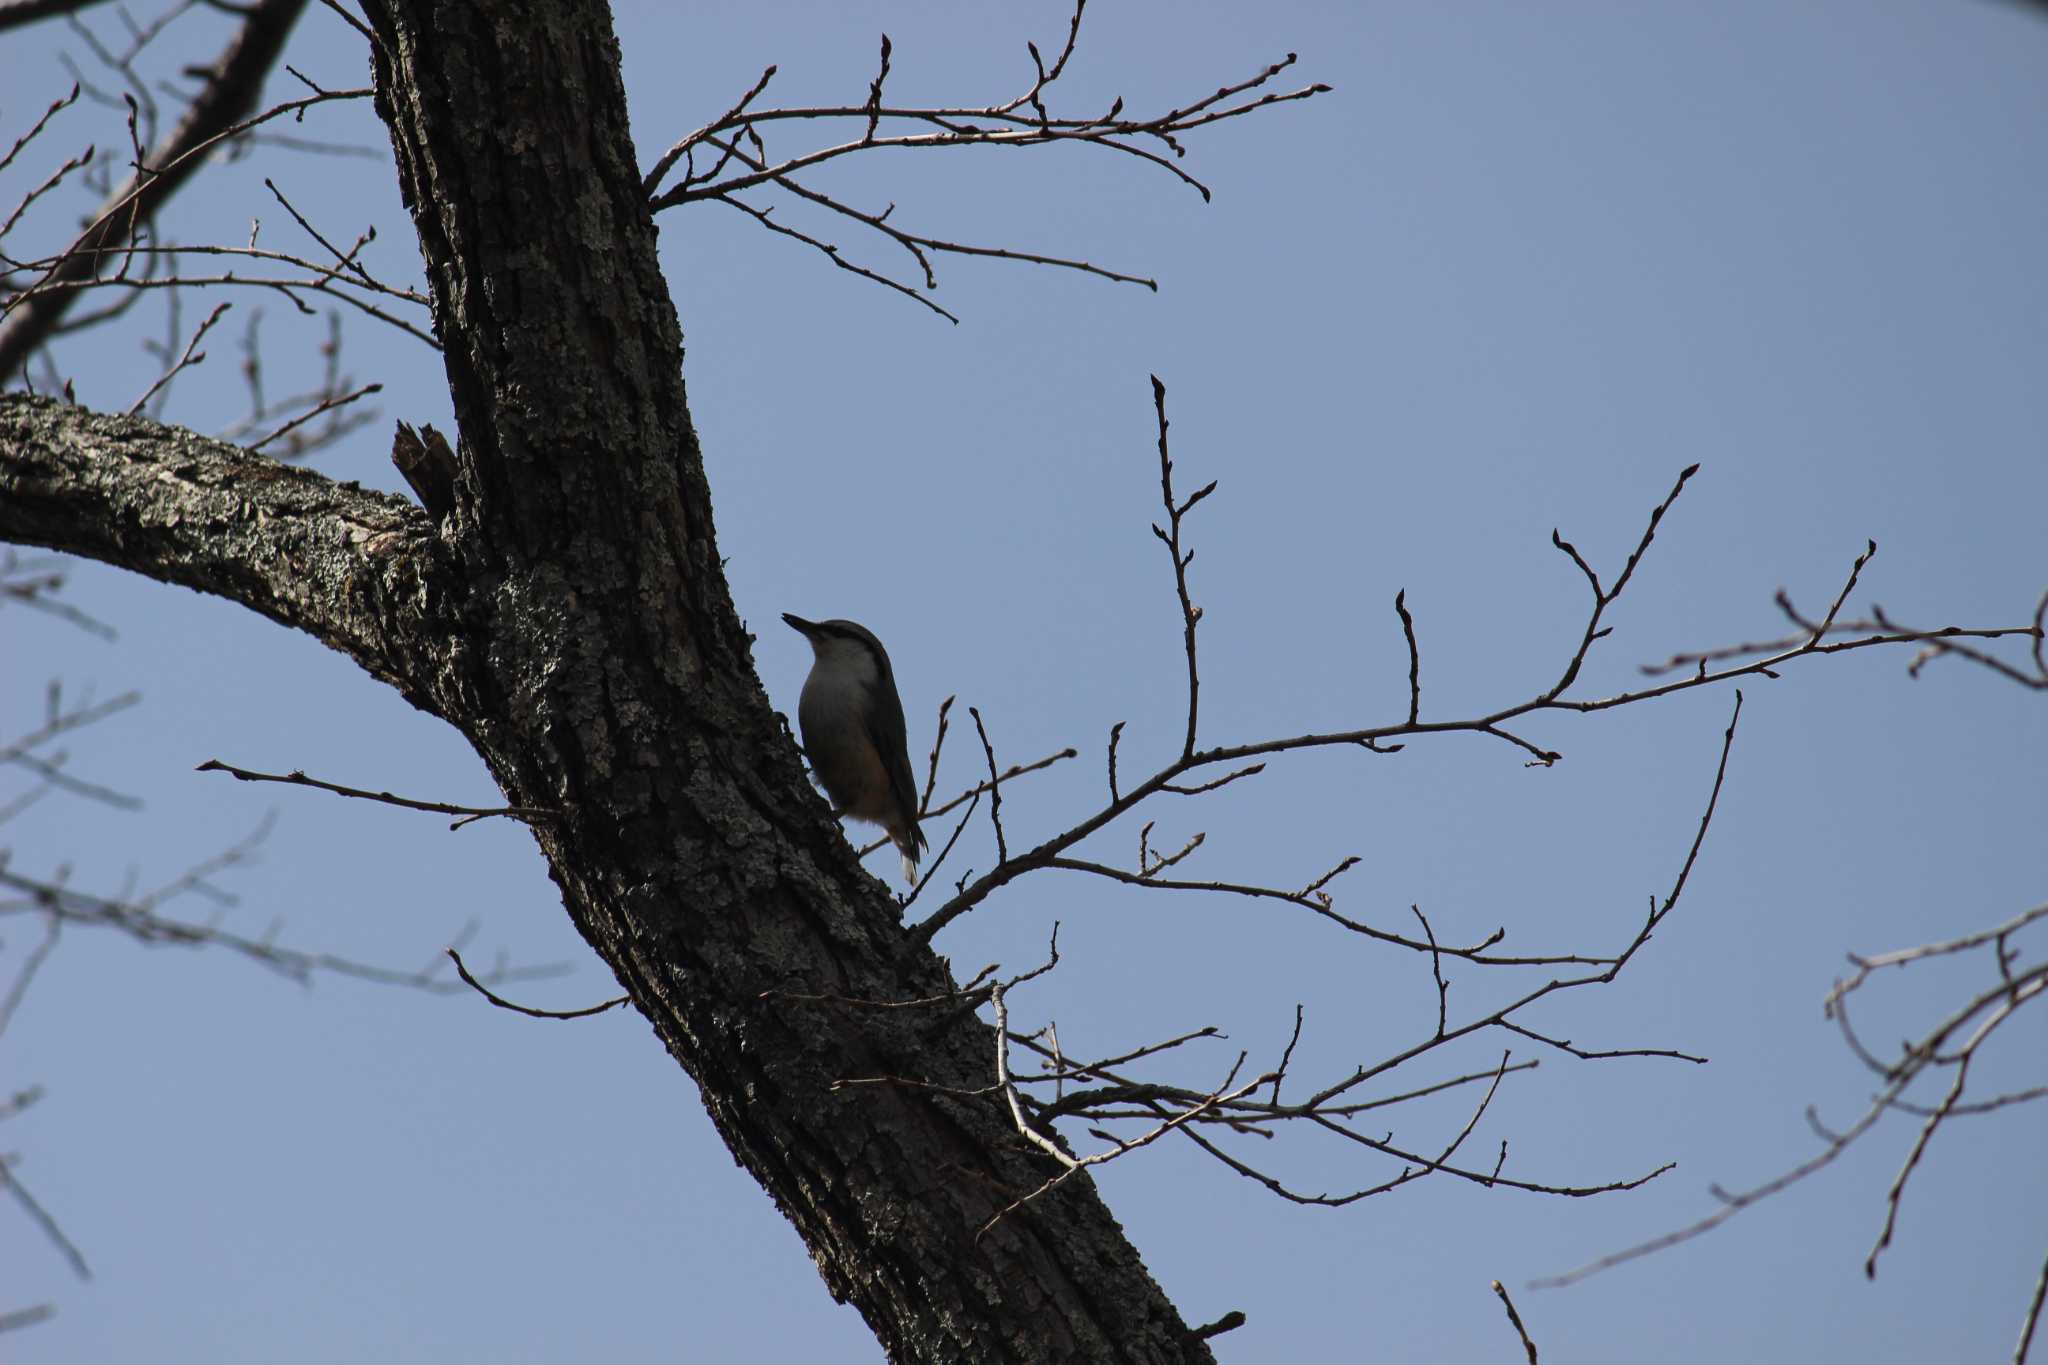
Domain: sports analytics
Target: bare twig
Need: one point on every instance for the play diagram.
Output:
(321, 280)
(1516, 1318)
(219, 111)
(26, 976)
(1877, 629)
(1054, 1149)
(1052, 851)
(742, 162)
(1952, 1042)
(1190, 614)
(57, 106)
(60, 721)
(1414, 657)
(980, 789)
(1436, 970)
(994, 786)
(139, 918)
(192, 356)
(1117, 1095)
(352, 21)
(325, 405)
(502, 1003)
(18, 1318)
(2032, 1322)
(43, 1220)
(470, 814)
(931, 776)
(944, 852)
(764, 216)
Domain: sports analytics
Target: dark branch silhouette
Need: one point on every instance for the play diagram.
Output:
(233, 84)
(736, 159)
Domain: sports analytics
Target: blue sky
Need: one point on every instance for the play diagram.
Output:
(1522, 266)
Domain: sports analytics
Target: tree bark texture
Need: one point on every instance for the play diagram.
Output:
(571, 619)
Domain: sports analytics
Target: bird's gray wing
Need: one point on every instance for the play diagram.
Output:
(891, 741)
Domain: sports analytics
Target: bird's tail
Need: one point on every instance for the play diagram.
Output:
(911, 844)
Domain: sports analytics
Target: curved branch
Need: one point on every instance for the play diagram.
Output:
(331, 559)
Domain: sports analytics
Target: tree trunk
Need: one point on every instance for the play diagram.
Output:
(572, 620)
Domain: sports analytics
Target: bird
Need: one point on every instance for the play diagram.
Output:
(852, 723)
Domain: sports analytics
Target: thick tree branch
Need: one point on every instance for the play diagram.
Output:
(331, 559)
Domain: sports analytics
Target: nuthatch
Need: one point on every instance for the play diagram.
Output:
(852, 723)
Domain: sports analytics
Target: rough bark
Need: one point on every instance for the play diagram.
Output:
(571, 619)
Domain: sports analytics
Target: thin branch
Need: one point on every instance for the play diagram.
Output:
(19, 1101)
(18, 1318)
(729, 119)
(219, 111)
(2032, 1322)
(1021, 121)
(469, 814)
(345, 261)
(1603, 599)
(43, 1220)
(1436, 970)
(23, 978)
(502, 1003)
(347, 270)
(61, 721)
(919, 247)
(994, 785)
(1516, 1318)
(57, 106)
(323, 281)
(1287, 1055)
(1878, 629)
(192, 356)
(765, 219)
(1011, 773)
(325, 405)
(1119, 1148)
(944, 852)
(994, 126)
(1051, 851)
(352, 22)
(875, 93)
(1855, 572)
(139, 918)
(1191, 614)
(1976, 1021)
(1414, 658)
(931, 776)
(49, 183)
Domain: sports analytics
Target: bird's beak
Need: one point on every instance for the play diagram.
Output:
(799, 625)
